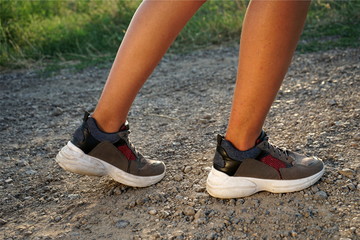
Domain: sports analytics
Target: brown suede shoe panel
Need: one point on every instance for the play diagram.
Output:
(256, 169)
(107, 152)
(148, 168)
(301, 171)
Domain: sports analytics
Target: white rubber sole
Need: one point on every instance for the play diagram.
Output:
(220, 185)
(73, 159)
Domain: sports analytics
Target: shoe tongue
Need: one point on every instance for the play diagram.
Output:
(124, 127)
(261, 138)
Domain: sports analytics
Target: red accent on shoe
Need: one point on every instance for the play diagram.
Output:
(123, 127)
(273, 162)
(127, 152)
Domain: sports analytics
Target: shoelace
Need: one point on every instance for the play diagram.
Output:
(125, 137)
(278, 152)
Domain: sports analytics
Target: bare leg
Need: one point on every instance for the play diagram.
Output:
(269, 36)
(153, 28)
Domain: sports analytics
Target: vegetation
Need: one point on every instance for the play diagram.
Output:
(91, 30)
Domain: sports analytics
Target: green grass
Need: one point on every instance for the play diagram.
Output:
(331, 24)
(89, 32)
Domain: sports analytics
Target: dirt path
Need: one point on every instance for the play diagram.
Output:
(176, 118)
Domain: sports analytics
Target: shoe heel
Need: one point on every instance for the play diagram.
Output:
(72, 159)
(220, 185)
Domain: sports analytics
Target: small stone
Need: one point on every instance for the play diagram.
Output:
(187, 169)
(332, 102)
(314, 189)
(164, 214)
(30, 172)
(347, 172)
(178, 233)
(21, 163)
(9, 180)
(57, 112)
(57, 218)
(132, 204)
(2, 222)
(207, 116)
(117, 191)
(357, 137)
(122, 224)
(197, 188)
(152, 212)
(155, 236)
(240, 202)
(355, 222)
(178, 177)
(199, 214)
(189, 211)
(207, 169)
(293, 233)
(211, 236)
(74, 234)
(351, 186)
(203, 121)
(320, 195)
(73, 196)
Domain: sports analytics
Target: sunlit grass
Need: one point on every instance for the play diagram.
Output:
(91, 31)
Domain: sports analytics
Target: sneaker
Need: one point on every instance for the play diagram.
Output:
(112, 155)
(263, 168)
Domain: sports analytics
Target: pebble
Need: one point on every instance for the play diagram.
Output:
(187, 169)
(199, 188)
(211, 236)
(152, 212)
(199, 214)
(155, 236)
(314, 189)
(293, 233)
(178, 177)
(22, 163)
(57, 218)
(332, 102)
(189, 211)
(122, 224)
(30, 172)
(9, 180)
(355, 222)
(347, 172)
(351, 186)
(207, 116)
(240, 201)
(73, 196)
(320, 195)
(2, 222)
(132, 204)
(117, 191)
(357, 137)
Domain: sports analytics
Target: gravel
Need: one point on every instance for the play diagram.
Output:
(176, 118)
